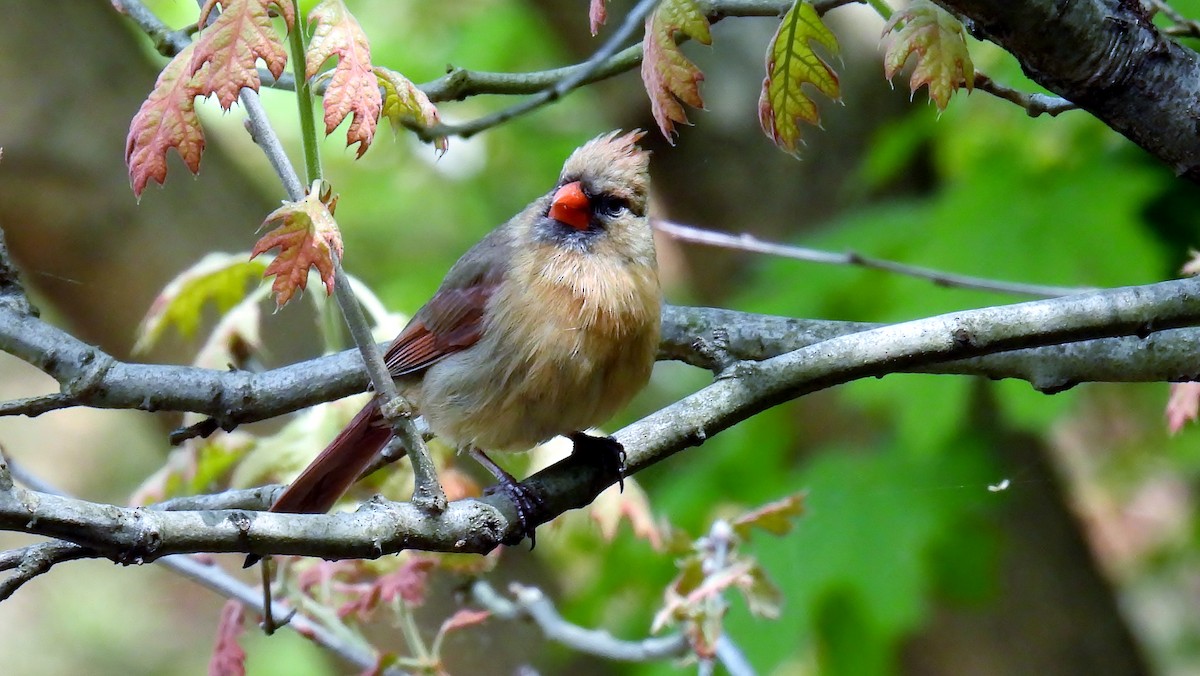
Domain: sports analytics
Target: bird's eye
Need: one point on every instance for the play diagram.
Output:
(609, 205)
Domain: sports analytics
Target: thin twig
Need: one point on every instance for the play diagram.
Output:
(1034, 104)
(1184, 27)
(578, 76)
(747, 242)
(35, 406)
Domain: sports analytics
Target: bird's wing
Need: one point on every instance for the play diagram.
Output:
(453, 319)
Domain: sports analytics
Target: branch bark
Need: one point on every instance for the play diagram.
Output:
(742, 390)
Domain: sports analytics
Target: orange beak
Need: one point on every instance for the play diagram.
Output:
(571, 206)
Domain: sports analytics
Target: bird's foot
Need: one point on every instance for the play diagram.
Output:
(528, 503)
(606, 452)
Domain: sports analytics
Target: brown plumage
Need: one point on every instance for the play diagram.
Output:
(547, 326)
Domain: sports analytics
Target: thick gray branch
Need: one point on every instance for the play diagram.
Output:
(1106, 57)
(744, 389)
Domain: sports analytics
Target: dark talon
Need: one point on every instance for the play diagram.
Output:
(527, 502)
(606, 452)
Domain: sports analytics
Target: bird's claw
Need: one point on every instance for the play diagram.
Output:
(527, 502)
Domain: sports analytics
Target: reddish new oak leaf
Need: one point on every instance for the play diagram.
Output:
(240, 36)
(939, 41)
(167, 119)
(791, 64)
(307, 237)
(597, 14)
(228, 658)
(353, 89)
(670, 78)
(404, 103)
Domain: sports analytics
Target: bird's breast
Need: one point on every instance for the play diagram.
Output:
(568, 341)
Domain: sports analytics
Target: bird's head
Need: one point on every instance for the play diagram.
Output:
(601, 197)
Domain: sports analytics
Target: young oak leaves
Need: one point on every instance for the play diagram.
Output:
(240, 35)
(223, 59)
(353, 90)
(669, 77)
(715, 563)
(792, 63)
(307, 236)
(939, 41)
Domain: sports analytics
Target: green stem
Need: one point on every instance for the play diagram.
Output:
(304, 102)
(882, 8)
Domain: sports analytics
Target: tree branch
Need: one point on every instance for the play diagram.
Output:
(744, 389)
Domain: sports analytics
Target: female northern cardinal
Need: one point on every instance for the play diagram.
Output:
(547, 326)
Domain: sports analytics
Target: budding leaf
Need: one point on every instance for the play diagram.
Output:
(792, 63)
(670, 78)
(402, 102)
(353, 89)
(307, 237)
(232, 45)
(939, 41)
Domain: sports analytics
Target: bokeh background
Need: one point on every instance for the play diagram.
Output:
(905, 561)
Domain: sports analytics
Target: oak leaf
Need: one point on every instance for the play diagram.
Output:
(167, 119)
(670, 78)
(353, 90)
(241, 35)
(939, 41)
(791, 64)
(307, 237)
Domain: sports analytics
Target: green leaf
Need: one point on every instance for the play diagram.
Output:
(791, 64)
(670, 78)
(218, 277)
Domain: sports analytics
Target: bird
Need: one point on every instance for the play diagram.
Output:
(547, 326)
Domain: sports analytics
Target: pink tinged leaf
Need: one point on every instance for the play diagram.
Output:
(611, 506)
(307, 237)
(597, 15)
(464, 618)
(232, 45)
(404, 103)
(1183, 406)
(166, 120)
(776, 517)
(791, 64)
(669, 77)
(228, 658)
(353, 89)
(939, 41)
